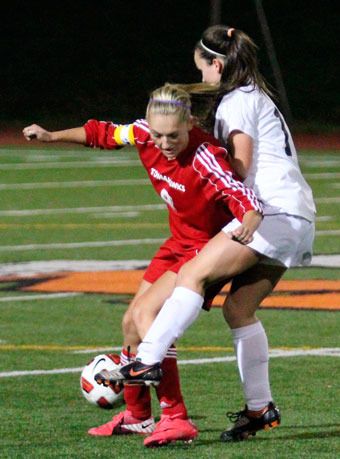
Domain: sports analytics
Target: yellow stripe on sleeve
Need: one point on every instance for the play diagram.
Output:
(123, 135)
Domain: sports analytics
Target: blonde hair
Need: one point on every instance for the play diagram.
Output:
(169, 99)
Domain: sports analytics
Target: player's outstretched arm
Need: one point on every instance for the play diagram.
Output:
(74, 135)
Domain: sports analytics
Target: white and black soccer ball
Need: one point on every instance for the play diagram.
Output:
(97, 394)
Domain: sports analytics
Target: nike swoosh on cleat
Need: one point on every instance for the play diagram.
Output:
(133, 373)
(144, 426)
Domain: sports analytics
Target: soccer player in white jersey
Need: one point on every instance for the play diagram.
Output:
(247, 120)
(190, 171)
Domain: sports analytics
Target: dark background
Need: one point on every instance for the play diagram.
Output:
(63, 62)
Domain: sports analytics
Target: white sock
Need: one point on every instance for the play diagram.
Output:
(177, 314)
(251, 347)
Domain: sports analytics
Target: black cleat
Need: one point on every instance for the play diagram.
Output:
(245, 424)
(134, 372)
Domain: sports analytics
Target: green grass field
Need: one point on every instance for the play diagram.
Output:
(79, 204)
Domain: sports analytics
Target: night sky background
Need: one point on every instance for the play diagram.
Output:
(63, 62)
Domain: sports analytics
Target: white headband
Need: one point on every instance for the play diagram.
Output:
(210, 50)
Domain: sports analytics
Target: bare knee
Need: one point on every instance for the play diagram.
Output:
(191, 278)
(143, 316)
(127, 322)
(129, 329)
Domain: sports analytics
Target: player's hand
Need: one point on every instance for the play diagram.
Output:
(250, 223)
(37, 132)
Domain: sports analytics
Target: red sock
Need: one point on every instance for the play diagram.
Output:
(169, 390)
(136, 396)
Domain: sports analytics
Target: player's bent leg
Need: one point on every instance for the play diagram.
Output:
(130, 331)
(247, 423)
(247, 291)
(252, 353)
(147, 305)
(219, 259)
(171, 429)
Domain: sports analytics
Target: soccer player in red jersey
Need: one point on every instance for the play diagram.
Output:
(192, 174)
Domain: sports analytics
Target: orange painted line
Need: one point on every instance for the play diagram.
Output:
(302, 294)
(118, 282)
(310, 285)
(325, 301)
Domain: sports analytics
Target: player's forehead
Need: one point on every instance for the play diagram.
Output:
(166, 124)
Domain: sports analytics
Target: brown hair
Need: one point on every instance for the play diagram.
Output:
(239, 55)
(240, 68)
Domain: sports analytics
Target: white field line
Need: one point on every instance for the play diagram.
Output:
(71, 164)
(325, 200)
(77, 245)
(322, 175)
(52, 266)
(326, 261)
(46, 296)
(31, 268)
(327, 232)
(80, 210)
(324, 218)
(321, 352)
(73, 184)
(319, 163)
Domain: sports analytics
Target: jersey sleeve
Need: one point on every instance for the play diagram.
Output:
(236, 112)
(221, 184)
(107, 135)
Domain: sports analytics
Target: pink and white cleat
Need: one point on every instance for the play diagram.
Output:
(124, 423)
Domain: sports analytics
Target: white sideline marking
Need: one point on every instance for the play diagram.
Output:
(329, 352)
(73, 184)
(80, 210)
(38, 297)
(330, 261)
(52, 266)
(76, 245)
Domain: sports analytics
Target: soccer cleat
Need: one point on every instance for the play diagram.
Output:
(124, 423)
(134, 372)
(170, 429)
(246, 424)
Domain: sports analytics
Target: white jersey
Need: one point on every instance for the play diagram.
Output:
(274, 175)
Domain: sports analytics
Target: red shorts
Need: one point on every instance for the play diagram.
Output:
(170, 257)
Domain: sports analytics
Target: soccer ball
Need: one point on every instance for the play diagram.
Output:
(97, 394)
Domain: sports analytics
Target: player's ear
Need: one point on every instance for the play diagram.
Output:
(218, 65)
(191, 122)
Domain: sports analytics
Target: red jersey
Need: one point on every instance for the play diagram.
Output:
(199, 187)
